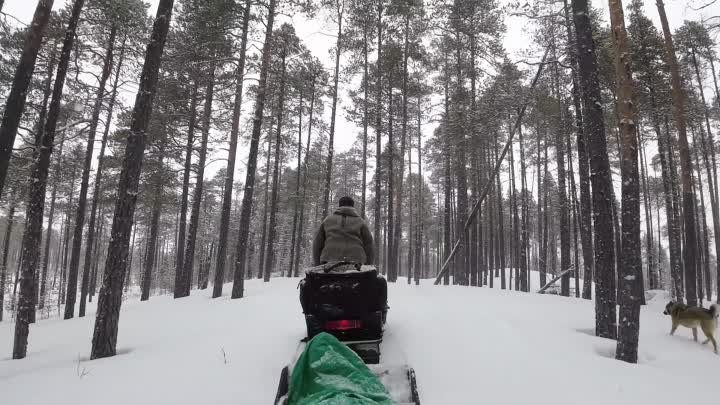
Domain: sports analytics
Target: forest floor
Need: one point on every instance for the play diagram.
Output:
(468, 346)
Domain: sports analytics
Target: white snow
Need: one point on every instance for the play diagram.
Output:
(468, 345)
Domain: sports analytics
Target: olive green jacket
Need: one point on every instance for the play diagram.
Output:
(343, 236)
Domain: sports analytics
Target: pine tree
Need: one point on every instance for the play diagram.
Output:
(594, 127)
(630, 273)
(108, 313)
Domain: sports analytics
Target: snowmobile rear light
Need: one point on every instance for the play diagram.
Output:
(343, 324)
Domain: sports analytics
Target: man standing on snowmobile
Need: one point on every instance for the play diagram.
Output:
(343, 237)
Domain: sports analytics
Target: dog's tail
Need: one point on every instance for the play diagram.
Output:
(715, 310)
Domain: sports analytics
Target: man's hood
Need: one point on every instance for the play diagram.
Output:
(347, 211)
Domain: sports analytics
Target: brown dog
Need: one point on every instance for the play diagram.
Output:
(694, 317)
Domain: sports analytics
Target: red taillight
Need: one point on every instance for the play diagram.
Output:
(343, 325)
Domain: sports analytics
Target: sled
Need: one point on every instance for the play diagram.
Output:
(349, 302)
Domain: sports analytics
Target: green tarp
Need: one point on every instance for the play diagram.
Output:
(330, 373)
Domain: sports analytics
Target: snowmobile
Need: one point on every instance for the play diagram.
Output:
(349, 302)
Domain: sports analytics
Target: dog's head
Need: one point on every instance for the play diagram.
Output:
(669, 308)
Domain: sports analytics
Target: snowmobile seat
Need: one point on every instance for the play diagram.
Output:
(345, 300)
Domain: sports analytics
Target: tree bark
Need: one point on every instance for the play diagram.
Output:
(689, 251)
(630, 274)
(244, 228)
(84, 183)
(594, 127)
(104, 340)
(15, 102)
(232, 157)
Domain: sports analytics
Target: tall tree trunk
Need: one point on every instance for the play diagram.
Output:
(689, 252)
(573, 202)
(366, 86)
(648, 213)
(276, 175)
(583, 164)
(391, 257)
(232, 157)
(500, 233)
(546, 217)
(10, 218)
(84, 183)
(263, 239)
(397, 233)
(90, 242)
(189, 261)
(630, 273)
(37, 185)
(154, 226)
(702, 227)
(15, 102)
(594, 127)
(301, 237)
(673, 227)
(48, 237)
(180, 250)
(515, 234)
(563, 206)
(524, 236)
(340, 4)
(447, 246)
(108, 310)
(66, 238)
(297, 187)
(244, 228)
(378, 137)
(420, 202)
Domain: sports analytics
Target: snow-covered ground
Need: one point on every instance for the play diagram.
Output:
(467, 345)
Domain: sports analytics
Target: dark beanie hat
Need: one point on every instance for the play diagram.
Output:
(347, 202)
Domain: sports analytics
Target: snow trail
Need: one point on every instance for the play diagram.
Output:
(467, 345)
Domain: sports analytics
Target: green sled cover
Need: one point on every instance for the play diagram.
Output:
(330, 373)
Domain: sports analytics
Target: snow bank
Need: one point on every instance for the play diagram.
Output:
(467, 345)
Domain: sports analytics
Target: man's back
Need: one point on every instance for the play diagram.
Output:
(343, 236)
